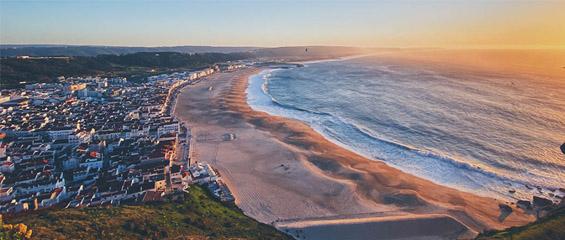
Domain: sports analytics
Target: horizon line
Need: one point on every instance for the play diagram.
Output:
(462, 47)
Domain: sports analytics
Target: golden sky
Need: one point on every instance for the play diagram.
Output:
(417, 23)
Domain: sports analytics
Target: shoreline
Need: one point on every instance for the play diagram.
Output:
(257, 100)
(300, 174)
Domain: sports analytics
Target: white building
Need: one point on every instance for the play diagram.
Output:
(167, 128)
(60, 134)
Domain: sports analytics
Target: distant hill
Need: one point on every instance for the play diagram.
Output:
(45, 63)
(13, 50)
(305, 52)
(16, 72)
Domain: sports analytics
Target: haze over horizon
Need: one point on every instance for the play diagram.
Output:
(449, 24)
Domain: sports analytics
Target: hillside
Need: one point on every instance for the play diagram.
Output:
(12, 50)
(307, 52)
(548, 228)
(197, 216)
(15, 72)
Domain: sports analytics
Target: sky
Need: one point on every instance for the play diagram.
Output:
(418, 23)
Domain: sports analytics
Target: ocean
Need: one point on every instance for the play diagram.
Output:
(482, 131)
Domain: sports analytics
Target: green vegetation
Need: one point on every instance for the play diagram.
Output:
(136, 65)
(14, 231)
(195, 215)
(73, 50)
(548, 228)
(134, 62)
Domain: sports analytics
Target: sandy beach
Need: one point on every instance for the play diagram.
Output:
(284, 173)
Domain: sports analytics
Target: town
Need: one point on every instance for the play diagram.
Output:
(89, 141)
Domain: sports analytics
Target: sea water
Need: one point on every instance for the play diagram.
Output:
(485, 132)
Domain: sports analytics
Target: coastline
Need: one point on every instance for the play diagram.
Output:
(282, 169)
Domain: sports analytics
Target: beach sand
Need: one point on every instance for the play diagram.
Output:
(284, 173)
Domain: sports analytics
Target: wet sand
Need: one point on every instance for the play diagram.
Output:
(284, 173)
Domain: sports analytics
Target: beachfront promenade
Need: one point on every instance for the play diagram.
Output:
(200, 173)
